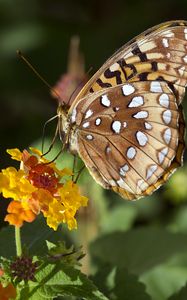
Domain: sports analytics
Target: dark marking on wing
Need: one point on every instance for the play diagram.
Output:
(154, 66)
(174, 90)
(134, 71)
(138, 52)
(122, 64)
(110, 74)
(143, 76)
(103, 84)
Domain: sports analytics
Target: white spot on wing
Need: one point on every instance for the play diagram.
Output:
(151, 170)
(124, 124)
(108, 149)
(136, 101)
(148, 125)
(89, 137)
(127, 89)
(181, 70)
(116, 108)
(168, 33)
(88, 113)
(141, 115)
(167, 135)
(164, 100)
(116, 126)
(167, 116)
(123, 185)
(142, 138)
(185, 33)
(105, 101)
(131, 152)
(156, 87)
(123, 170)
(162, 154)
(165, 42)
(98, 121)
(168, 55)
(114, 67)
(139, 188)
(185, 58)
(86, 124)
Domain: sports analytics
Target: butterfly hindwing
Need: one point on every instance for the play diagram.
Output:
(128, 136)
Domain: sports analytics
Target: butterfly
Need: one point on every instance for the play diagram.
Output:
(127, 122)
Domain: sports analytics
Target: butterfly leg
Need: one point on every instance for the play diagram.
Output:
(74, 166)
(58, 154)
(54, 138)
(79, 173)
(75, 178)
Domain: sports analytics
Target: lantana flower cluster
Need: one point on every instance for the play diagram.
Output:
(39, 187)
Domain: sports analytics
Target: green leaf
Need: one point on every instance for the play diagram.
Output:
(163, 281)
(70, 255)
(138, 250)
(60, 280)
(178, 222)
(33, 235)
(118, 284)
(124, 214)
(181, 295)
(176, 186)
(103, 279)
(128, 287)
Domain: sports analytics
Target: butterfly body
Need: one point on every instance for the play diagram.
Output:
(127, 122)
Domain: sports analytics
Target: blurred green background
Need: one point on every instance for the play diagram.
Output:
(42, 30)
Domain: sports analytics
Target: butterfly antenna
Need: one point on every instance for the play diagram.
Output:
(20, 54)
(80, 83)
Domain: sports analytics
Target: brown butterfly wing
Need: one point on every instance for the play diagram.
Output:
(157, 54)
(154, 64)
(131, 136)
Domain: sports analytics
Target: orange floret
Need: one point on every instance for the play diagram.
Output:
(37, 188)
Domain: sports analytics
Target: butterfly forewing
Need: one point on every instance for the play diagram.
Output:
(159, 53)
(128, 122)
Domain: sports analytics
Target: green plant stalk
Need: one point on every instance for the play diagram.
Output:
(18, 241)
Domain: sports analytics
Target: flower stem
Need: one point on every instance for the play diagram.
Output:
(18, 241)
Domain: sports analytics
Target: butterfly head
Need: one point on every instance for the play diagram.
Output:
(67, 130)
(62, 113)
